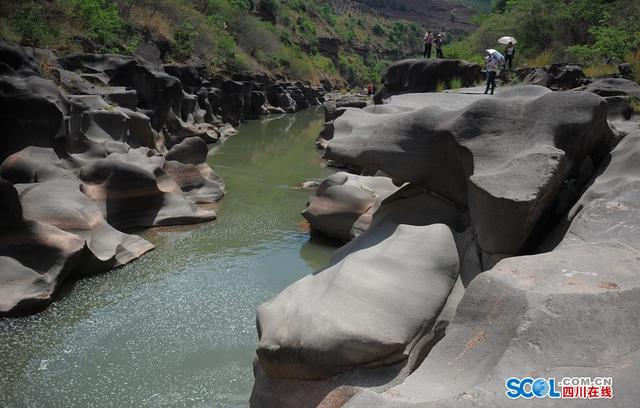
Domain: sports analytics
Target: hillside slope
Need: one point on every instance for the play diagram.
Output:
(295, 39)
(453, 16)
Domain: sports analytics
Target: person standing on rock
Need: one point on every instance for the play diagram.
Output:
(492, 65)
(509, 54)
(428, 41)
(439, 46)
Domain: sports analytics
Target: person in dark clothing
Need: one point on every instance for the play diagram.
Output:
(439, 44)
(509, 54)
(428, 41)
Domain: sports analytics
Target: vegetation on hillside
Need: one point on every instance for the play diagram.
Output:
(591, 32)
(277, 37)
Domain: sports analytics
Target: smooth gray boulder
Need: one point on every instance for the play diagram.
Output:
(343, 204)
(613, 87)
(368, 309)
(505, 158)
(189, 151)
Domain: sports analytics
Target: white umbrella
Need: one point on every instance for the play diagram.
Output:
(507, 40)
(495, 53)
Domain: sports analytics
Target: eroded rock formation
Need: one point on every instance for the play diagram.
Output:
(96, 143)
(538, 195)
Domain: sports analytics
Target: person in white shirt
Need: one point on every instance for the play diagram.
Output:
(439, 45)
(492, 66)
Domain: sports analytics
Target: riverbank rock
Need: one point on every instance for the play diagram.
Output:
(607, 87)
(482, 156)
(557, 77)
(424, 75)
(565, 313)
(53, 232)
(333, 110)
(343, 204)
(408, 207)
(317, 328)
(83, 166)
(32, 256)
(503, 174)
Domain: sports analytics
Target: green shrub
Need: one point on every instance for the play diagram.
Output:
(378, 30)
(634, 104)
(102, 21)
(609, 42)
(32, 26)
(184, 40)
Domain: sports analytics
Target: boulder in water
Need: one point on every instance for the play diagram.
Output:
(343, 204)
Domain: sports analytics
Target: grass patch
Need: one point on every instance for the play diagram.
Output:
(540, 60)
(633, 58)
(634, 104)
(441, 86)
(456, 83)
(600, 70)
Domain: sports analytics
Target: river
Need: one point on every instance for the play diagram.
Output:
(176, 328)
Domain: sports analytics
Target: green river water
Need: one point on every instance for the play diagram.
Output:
(176, 328)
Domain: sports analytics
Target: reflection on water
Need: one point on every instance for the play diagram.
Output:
(177, 327)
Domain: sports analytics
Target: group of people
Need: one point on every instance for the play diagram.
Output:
(429, 40)
(493, 59)
(492, 63)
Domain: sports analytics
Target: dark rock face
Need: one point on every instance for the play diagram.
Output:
(277, 95)
(32, 111)
(606, 87)
(626, 70)
(234, 101)
(532, 251)
(16, 59)
(424, 75)
(191, 76)
(190, 151)
(329, 47)
(557, 77)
